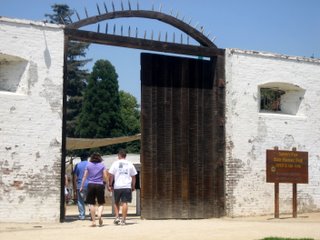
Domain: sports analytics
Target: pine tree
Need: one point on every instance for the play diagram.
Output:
(100, 116)
(76, 74)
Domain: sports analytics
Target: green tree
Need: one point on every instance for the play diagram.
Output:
(61, 14)
(100, 115)
(76, 74)
(130, 114)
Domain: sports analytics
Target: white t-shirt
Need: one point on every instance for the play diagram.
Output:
(122, 170)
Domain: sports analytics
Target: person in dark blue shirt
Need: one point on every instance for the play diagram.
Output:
(78, 173)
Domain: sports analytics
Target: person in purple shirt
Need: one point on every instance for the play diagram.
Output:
(97, 176)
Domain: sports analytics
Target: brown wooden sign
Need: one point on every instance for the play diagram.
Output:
(287, 166)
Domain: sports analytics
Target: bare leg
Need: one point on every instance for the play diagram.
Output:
(124, 211)
(89, 208)
(93, 214)
(116, 209)
(100, 210)
(116, 212)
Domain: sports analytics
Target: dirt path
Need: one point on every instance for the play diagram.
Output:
(306, 225)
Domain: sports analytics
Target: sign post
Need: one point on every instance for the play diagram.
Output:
(294, 200)
(286, 167)
(276, 200)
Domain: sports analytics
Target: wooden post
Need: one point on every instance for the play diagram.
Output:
(276, 200)
(138, 204)
(294, 195)
(64, 131)
(276, 195)
(294, 200)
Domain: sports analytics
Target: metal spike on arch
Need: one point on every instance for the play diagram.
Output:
(206, 46)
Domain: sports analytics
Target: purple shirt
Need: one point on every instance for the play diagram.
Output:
(95, 172)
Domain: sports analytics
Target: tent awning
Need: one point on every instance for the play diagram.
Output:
(83, 143)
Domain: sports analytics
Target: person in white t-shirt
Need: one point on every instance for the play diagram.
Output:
(122, 174)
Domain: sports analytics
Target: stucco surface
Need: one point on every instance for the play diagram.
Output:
(31, 77)
(250, 131)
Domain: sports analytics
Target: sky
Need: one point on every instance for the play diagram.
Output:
(289, 27)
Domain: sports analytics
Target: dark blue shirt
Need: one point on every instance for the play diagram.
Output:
(79, 172)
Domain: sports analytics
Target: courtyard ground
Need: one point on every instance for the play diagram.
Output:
(246, 228)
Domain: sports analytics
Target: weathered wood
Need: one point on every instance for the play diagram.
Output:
(175, 22)
(276, 200)
(138, 43)
(294, 195)
(181, 146)
(287, 166)
(294, 200)
(64, 132)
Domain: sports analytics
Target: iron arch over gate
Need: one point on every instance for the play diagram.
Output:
(194, 162)
(207, 48)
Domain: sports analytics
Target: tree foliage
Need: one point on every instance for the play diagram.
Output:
(95, 107)
(60, 14)
(100, 116)
(130, 114)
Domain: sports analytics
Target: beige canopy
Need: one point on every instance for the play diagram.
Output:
(83, 143)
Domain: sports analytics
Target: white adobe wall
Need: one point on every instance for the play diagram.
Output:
(249, 133)
(31, 77)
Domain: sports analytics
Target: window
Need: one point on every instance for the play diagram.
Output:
(12, 69)
(271, 99)
(280, 97)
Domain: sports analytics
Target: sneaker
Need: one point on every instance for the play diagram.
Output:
(122, 222)
(116, 221)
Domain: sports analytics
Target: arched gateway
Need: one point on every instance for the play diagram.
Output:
(182, 116)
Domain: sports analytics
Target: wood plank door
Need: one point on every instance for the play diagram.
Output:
(182, 140)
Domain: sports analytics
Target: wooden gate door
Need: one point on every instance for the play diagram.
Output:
(182, 138)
